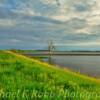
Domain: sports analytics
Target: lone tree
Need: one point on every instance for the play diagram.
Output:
(51, 47)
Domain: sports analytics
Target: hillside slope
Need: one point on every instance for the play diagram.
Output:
(22, 78)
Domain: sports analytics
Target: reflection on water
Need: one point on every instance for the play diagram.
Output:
(89, 65)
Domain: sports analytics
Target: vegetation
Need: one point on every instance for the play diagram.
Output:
(23, 78)
(23, 51)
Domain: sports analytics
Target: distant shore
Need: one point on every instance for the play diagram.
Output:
(62, 53)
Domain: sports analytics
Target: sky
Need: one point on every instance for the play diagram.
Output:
(30, 24)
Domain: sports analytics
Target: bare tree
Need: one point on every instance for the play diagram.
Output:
(51, 47)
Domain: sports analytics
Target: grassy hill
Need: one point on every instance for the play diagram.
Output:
(23, 78)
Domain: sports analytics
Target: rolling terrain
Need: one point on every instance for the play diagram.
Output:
(23, 78)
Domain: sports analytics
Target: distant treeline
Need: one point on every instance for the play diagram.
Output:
(30, 51)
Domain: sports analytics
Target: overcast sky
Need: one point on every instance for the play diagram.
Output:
(30, 24)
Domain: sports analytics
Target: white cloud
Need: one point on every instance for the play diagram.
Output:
(7, 23)
(94, 43)
(76, 17)
(15, 40)
(25, 12)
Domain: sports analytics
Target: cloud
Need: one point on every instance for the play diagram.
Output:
(7, 23)
(37, 21)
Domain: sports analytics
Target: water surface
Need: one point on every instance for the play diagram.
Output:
(89, 65)
(85, 64)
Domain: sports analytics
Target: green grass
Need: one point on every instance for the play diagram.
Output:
(24, 51)
(23, 78)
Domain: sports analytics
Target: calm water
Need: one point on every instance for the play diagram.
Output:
(89, 65)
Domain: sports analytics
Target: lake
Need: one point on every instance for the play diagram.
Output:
(89, 65)
(84, 63)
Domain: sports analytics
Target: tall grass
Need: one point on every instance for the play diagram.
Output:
(22, 78)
